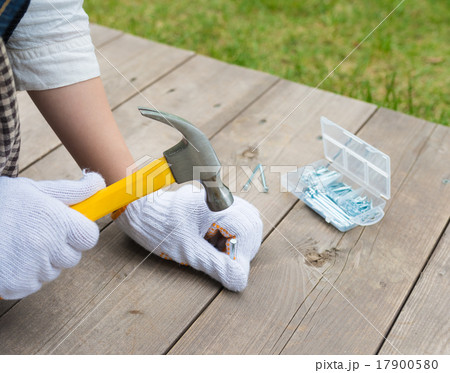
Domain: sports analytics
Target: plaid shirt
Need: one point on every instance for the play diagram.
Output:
(9, 118)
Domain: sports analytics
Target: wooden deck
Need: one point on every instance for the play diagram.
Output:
(390, 280)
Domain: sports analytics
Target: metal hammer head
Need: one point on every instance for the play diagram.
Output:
(193, 158)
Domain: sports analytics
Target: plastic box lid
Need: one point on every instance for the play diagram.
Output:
(358, 160)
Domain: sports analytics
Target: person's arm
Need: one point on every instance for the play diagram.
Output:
(81, 117)
(53, 58)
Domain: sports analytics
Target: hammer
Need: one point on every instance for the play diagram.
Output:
(177, 165)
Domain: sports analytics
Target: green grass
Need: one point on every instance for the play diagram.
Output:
(403, 65)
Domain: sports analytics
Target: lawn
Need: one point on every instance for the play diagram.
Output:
(404, 65)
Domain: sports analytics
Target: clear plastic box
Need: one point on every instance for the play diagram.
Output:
(360, 169)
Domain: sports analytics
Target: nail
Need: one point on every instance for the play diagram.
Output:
(329, 178)
(233, 243)
(322, 170)
(341, 189)
(247, 184)
(263, 178)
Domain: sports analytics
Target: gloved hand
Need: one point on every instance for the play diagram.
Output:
(39, 233)
(174, 225)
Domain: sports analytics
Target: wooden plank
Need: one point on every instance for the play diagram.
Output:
(28, 332)
(204, 91)
(153, 309)
(423, 327)
(5, 306)
(102, 35)
(382, 264)
(284, 290)
(130, 63)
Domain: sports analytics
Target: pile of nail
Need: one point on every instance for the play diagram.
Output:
(334, 200)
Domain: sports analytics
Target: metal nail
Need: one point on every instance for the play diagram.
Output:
(322, 170)
(341, 190)
(338, 185)
(329, 178)
(263, 178)
(247, 184)
(233, 243)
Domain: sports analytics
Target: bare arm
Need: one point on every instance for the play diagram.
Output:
(81, 117)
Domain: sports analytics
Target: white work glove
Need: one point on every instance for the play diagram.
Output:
(39, 233)
(174, 226)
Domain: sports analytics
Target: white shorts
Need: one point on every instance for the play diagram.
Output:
(51, 46)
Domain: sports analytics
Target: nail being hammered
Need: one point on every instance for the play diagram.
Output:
(233, 243)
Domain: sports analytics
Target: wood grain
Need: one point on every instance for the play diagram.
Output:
(423, 326)
(160, 314)
(5, 306)
(265, 318)
(204, 91)
(130, 63)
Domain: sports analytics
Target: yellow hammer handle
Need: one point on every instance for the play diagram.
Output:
(148, 179)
